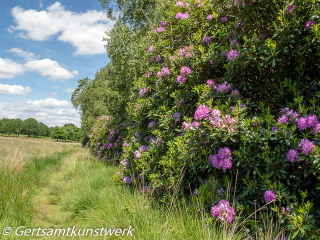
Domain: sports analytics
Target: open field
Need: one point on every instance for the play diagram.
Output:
(49, 185)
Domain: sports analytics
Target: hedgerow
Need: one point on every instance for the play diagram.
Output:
(231, 95)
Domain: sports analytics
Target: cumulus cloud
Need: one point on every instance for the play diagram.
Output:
(47, 67)
(50, 111)
(85, 31)
(10, 69)
(26, 55)
(14, 89)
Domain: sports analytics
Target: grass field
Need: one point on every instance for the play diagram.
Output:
(51, 184)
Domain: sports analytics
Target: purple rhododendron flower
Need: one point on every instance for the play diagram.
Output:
(181, 79)
(179, 4)
(235, 93)
(269, 196)
(223, 211)
(143, 91)
(186, 71)
(201, 112)
(306, 146)
(137, 154)
(207, 40)
(195, 192)
(143, 148)
(152, 123)
(223, 87)
(293, 155)
(163, 24)
(283, 119)
(160, 29)
(222, 159)
(195, 124)
(150, 48)
(224, 19)
(312, 121)
(309, 24)
(291, 8)
(127, 180)
(232, 55)
(240, 23)
(209, 17)
(211, 83)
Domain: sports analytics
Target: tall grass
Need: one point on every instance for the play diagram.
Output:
(21, 164)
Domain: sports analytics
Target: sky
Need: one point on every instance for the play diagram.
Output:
(46, 47)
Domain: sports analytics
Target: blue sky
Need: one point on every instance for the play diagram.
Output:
(46, 47)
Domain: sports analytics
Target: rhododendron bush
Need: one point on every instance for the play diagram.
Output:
(232, 92)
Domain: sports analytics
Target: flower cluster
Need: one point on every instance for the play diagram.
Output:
(201, 112)
(160, 29)
(306, 146)
(223, 211)
(181, 15)
(143, 91)
(164, 71)
(269, 196)
(232, 55)
(291, 8)
(207, 40)
(293, 155)
(222, 159)
(309, 24)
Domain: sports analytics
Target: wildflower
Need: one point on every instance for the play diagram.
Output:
(269, 196)
(293, 155)
(232, 55)
(160, 29)
(163, 24)
(207, 40)
(201, 112)
(224, 19)
(150, 48)
(127, 180)
(306, 146)
(290, 9)
(186, 71)
(209, 17)
(195, 192)
(223, 211)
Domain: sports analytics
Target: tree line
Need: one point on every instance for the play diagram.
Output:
(32, 128)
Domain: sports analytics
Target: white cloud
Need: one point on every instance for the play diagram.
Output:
(40, 4)
(48, 103)
(85, 31)
(10, 69)
(49, 111)
(47, 67)
(69, 90)
(14, 89)
(53, 94)
(26, 55)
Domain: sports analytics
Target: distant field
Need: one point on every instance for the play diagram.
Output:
(49, 184)
(25, 137)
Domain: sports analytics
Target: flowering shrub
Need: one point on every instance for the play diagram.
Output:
(106, 138)
(224, 71)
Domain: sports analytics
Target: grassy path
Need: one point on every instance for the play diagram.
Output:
(64, 186)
